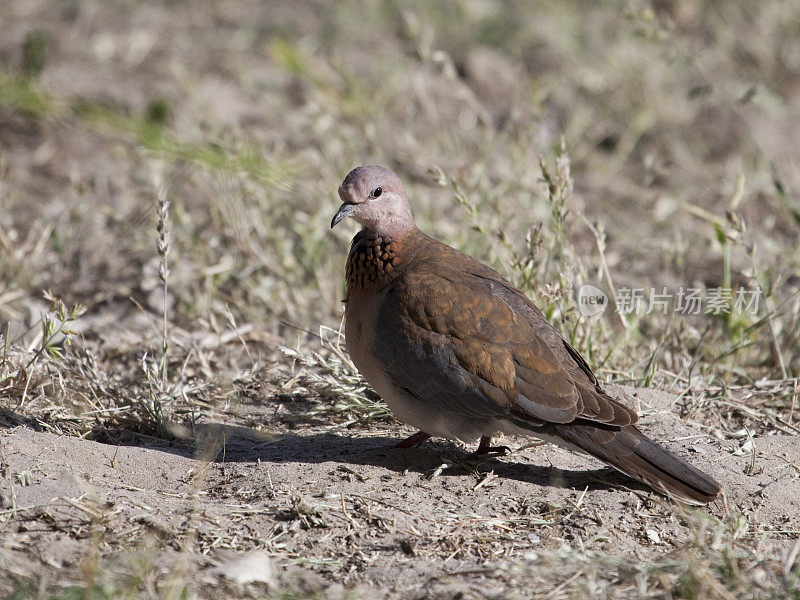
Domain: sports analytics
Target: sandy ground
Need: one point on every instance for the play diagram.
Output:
(338, 512)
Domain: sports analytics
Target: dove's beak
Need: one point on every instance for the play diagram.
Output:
(345, 210)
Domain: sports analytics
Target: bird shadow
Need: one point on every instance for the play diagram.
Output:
(227, 444)
(220, 443)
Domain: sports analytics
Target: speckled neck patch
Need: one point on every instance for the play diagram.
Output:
(372, 259)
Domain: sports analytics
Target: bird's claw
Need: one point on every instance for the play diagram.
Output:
(413, 441)
(485, 449)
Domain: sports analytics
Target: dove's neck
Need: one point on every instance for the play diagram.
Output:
(375, 259)
(391, 222)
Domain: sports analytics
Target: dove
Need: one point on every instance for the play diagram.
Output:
(456, 351)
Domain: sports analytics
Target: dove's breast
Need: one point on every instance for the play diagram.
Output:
(361, 318)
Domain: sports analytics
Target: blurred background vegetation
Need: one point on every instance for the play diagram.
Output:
(633, 144)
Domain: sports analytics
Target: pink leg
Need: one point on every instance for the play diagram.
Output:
(413, 441)
(484, 447)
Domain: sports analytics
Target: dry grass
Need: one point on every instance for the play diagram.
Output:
(167, 173)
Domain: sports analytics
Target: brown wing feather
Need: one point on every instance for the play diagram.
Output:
(561, 360)
(491, 339)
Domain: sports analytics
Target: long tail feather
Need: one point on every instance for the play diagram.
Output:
(628, 450)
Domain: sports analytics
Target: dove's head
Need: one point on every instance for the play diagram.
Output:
(375, 197)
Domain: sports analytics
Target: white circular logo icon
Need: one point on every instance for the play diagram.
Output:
(591, 300)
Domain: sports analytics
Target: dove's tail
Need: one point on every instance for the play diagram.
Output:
(628, 450)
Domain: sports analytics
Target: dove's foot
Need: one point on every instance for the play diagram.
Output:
(485, 448)
(413, 441)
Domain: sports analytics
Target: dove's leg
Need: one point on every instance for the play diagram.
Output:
(413, 441)
(485, 447)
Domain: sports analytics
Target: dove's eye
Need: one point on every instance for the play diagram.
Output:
(376, 192)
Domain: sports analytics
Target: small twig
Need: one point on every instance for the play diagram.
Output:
(562, 585)
(486, 479)
(438, 470)
(345, 513)
(87, 509)
(163, 246)
(600, 243)
(751, 468)
(237, 331)
(392, 506)
(113, 459)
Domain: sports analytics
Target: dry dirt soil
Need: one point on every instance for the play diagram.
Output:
(348, 514)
